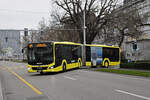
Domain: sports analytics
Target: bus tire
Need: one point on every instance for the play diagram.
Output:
(79, 64)
(41, 72)
(64, 67)
(106, 64)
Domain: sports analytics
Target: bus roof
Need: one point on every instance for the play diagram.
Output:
(71, 43)
(98, 45)
(53, 42)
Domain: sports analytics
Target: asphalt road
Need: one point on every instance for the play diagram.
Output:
(80, 84)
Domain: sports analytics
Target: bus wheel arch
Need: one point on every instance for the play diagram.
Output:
(79, 63)
(106, 64)
(64, 65)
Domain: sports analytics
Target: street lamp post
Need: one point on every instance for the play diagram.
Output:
(84, 41)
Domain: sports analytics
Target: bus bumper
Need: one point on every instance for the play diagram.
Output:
(57, 69)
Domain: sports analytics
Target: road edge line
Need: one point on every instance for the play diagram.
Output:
(24, 81)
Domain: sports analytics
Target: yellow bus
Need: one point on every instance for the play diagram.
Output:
(102, 55)
(53, 56)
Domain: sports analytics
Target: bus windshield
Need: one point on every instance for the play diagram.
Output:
(40, 55)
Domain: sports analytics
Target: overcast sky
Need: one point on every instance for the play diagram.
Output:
(20, 14)
(17, 14)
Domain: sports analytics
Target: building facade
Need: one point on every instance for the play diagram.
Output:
(10, 43)
(143, 8)
(143, 41)
(141, 53)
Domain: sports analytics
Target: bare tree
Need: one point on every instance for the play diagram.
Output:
(54, 31)
(44, 32)
(121, 24)
(97, 15)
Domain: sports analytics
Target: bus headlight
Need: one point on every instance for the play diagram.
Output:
(51, 67)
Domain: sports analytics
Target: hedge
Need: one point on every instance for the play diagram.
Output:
(138, 65)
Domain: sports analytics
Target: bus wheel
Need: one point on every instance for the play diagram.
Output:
(64, 67)
(79, 64)
(41, 72)
(106, 64)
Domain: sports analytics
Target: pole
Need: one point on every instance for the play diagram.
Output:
(84, 33)
(84, 41)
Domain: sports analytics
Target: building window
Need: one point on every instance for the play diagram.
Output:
(6, 39)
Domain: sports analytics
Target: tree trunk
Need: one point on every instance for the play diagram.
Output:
(122, 39)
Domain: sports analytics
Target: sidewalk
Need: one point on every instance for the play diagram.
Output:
(1, 89)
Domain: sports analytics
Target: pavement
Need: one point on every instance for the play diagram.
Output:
(79, 84)
(1, 89)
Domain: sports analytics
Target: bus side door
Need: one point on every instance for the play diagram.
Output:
(96, 55)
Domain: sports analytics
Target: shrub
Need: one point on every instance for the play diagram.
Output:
(138, 65)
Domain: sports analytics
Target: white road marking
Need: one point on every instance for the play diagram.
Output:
(123, 76)
(70, 78)
(132, 94)
(132, 77)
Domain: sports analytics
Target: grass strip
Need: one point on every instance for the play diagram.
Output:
(127, 72)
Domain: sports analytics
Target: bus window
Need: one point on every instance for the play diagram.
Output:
(40, 55)
(88, 53)
(111, 53)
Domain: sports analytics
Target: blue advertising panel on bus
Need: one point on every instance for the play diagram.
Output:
(96, 55)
